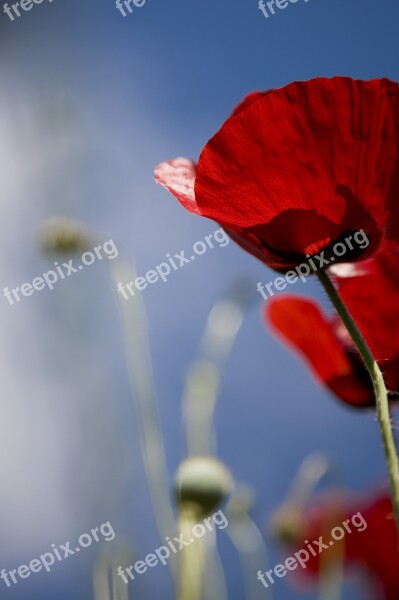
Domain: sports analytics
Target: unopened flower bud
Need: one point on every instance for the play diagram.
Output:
(61, 235)
(287, 524)
(202, 483)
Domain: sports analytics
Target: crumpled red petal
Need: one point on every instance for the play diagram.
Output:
(302, 324)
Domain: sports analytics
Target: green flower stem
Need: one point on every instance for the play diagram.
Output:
(191, 559)
(251, 548)
(139, 366)
(205, 374)
(381, 393)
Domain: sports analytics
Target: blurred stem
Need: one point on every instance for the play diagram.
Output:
(215, 582)
(331, 573)
(119, 587)
(311, 471)
(101, 589)
(380, 390)
(251, 549)
(330, 584)
(139, 367)
(204, 376)
(191, 559)
(107, 585)
(199, 399)
(200, 395)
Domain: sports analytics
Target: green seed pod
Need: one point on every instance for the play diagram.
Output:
(60, 235)
(287, 524)
(202, 483)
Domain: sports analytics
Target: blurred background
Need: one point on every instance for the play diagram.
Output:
(90, 102)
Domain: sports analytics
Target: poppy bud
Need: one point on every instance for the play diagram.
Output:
(61, 235)
(287, 524)
(202, 483)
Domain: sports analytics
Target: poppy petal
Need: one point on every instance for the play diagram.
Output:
(301, 323)
(248, 100)
(323, 154)
(178, 177)
(370, 542)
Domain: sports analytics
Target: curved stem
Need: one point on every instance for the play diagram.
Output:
(204, 376)
(311, 471)
(380, 390)
(139, 365)
(107, 585)
(252, 551)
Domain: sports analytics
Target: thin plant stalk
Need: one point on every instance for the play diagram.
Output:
(250, 546)
(312, 470)
(204, 376)
(331, 576)
(381, 394)
(215, 581)
(120, 590)
(139, 365)
(101, 583)
(192, 559)
(199, 401)
(330, 583)
(107, 585)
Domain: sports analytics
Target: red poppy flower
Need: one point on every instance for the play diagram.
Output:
(371, 292)
(296, 169)
(369, 538)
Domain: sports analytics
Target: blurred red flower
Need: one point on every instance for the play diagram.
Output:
(371, 292)
(294, 170)
(370, 540)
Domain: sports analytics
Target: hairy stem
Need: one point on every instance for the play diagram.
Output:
(381, 394)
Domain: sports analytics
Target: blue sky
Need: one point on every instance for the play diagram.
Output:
(90, 102)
